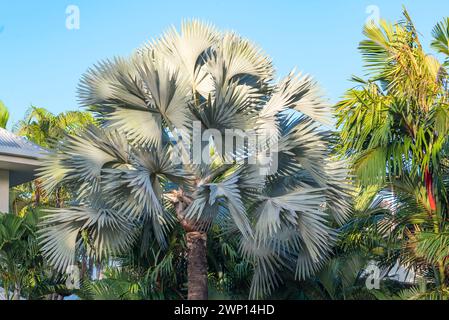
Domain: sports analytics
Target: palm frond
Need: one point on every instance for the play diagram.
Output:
(440, 34)
(4, 115)
(82, 157)
(107, 232)
(188, 51)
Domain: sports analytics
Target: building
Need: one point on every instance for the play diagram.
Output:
(19, 159)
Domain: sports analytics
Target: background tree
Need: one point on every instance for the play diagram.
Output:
(394, 127)
(45, 129)
(23, 272)
(4, 115)
(130, 185)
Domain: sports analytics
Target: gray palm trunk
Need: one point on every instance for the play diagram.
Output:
(197, 265)
(196, 241)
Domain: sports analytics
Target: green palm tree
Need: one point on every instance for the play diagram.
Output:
(395, 128)
(44, 128)
(4, 115)
(135, 174)
(441, 38)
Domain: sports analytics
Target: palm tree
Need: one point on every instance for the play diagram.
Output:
(44, 128)
(4, 115)
(441, 38)
(394, 127)
(135, 174)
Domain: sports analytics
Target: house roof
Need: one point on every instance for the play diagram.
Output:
(13, 145)
(19, 156)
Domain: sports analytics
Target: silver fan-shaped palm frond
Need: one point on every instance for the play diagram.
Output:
(81, 158)
(284, 209)
(109, 83)
(107, 232)
(138, 190)
(141, 93)
(231, 108)
(238, 60)
(187, 51)
(167, 90)
(226, 189)
(298, 93)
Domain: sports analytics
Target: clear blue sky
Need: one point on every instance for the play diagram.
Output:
(41, 61)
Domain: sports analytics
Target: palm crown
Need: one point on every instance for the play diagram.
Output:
(394, 126)
(128, 182)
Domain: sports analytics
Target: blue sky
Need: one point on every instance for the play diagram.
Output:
(41, 61)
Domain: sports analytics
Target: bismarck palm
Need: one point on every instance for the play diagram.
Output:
(128, 182)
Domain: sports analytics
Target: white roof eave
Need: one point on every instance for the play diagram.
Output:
(15, 146)
(19, 156)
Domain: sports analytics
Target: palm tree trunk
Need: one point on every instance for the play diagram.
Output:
(196, 249)
(84, 267)
(197, 265)
(59, 200)
(98, 271)
(90, 270)
(37, 192)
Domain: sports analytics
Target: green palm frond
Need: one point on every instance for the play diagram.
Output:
(440, 35)
(377, 47)
(47, 130)
(10, 228)
(4, 115)
(419, 292)
(433, 247)
(105, 290)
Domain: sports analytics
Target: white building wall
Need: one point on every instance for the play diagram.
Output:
(4, 191)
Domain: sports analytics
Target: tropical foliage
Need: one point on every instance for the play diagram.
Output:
(24, 274)
(45, 129)
(394, 128)
(4, 115)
